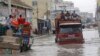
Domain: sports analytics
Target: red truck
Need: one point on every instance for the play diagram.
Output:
(68, 30)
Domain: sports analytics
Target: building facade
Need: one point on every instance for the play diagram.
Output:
(98, 15)
(17, 8)
(29, 12)
(62, 6)
(87, 18)
(41, 14)
(58, 1)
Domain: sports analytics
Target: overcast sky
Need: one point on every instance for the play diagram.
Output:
(85, 5)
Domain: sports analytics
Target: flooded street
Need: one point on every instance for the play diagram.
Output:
(28, 27)
(46, 46)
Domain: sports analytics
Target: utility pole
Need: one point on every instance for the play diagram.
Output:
(37, 12)
(47, 9)
(47, 20)
(9, 12)
(9, 6)
(47, 17)
(55, 8)
(97, 18)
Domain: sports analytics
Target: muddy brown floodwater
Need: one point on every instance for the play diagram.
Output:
(46, 46)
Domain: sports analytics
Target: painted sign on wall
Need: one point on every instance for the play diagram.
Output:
(18, 11)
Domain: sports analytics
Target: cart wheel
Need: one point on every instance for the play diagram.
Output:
(29, 48)
(21, 49)
(25, 47)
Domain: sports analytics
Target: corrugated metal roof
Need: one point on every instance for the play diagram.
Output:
(18, 3)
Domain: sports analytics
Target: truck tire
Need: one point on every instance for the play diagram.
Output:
(56, 40)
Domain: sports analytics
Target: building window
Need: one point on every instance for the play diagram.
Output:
(34, 3)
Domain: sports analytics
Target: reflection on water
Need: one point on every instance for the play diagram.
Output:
(90, 34)
(79, 50)
(70, 50)
(45, 51)
(90, 50)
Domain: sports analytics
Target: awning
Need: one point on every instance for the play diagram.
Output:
(18, 3)
(70, 24)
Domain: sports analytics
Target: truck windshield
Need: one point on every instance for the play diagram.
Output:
(70, 30)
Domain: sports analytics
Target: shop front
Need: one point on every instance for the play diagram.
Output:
(44, 26)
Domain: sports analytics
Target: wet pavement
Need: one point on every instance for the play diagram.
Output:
(46, 46)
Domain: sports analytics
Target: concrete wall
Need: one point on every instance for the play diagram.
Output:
(41, 7)
(34, 20)
(28, 2)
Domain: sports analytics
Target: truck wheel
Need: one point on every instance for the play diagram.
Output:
(56, 40)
